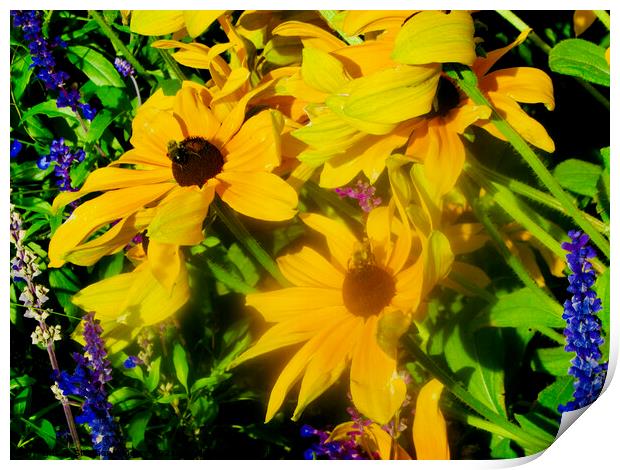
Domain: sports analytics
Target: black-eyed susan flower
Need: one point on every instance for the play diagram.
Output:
(361, 101)
(186, 149)
(350, 309)
(436, 140)
(127, 302)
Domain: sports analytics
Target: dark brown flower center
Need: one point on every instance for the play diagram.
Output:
(367, 289)
(194, 161)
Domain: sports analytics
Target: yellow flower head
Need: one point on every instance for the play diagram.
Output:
(350, 309)
(186, 149)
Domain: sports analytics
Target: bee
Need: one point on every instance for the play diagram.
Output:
(181, 152)
(362, 256)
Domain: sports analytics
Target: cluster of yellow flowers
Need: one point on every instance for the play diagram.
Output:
(307, 102)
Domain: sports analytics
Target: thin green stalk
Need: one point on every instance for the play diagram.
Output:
(510, 204)
(542, 45)
(233, 223)
(455, 388)
(532, 193)
(467, 81)
(328, 16)
(511, 260)
(116, 41)
(551, 334)
(604, 17)
(172, 65)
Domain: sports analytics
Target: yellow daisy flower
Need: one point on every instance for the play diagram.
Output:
(436, 139)
(351, 309)
(361, 100)
(186, 149)
(430, 439)
(127, 302)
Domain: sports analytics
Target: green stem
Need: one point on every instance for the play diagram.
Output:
(328, 16)
(522, 437)
(233, 223)
(116, 42)
(532, 193)
(511, 260)
(173, 67)
(467, 81)
(551, 334)
(519, 211)
(542, 45)
(604, 17)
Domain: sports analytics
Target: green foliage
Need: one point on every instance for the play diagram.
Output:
(582, 59)
(578, 176)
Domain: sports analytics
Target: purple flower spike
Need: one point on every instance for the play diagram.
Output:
(583, 327)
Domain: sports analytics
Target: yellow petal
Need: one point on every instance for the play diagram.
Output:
(430, 437)
(522, 84)
(433, 36)
(293, 331)
(393, 95)
(483, 64)
(340, 241)
(409, 284)
(107, 178)
(193, 54)
(362, 21)
(180, 215)
(197, 21)
(473, 274)
(143, 160)
(156, 22)
(93, 214)
(152, 130)
(530, 129)
(256, 147)
(322, 71)
(362, 60)
(376, 389)
(260, 195)
(438, 260)
(465, 238)
(112, 241)
(293, 302)
(582, 20)
(165, 263)
(310, 35)
(196, 116)
(607, 56)
(329, 362)
(307, 268)
(295, 367)
(106, 296)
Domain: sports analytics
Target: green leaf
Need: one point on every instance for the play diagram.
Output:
(228, 278)
(22, 381)
(555, 361)
(137, 427)
(244, 264)
(522, 308)
(203, 410)
(578, 176)
(500, 448)
(123, 394)
(529, 423)
(558, 393)
(171, 398)
(96, 67)
(603, 292)
(98, 125)
(49, 109)
(170, 86)
(152, 380)
(64, 284)
(21, 402)
(582, 59)
(110, 265)
(479, 355)
(179, 357)
(20, 75)
(45, 430)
